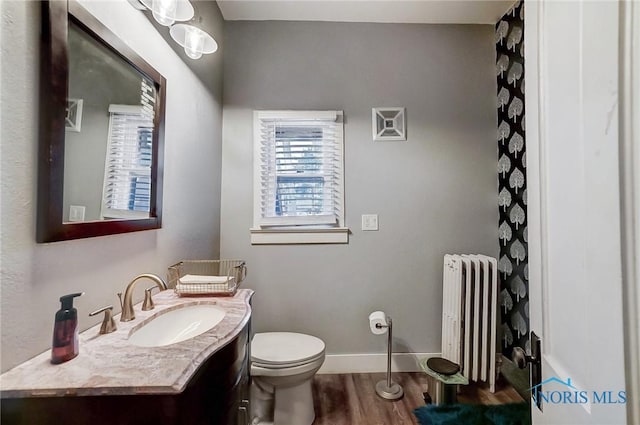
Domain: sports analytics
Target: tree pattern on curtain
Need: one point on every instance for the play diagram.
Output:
(512, 186)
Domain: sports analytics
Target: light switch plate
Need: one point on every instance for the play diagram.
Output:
(369, 222)
(76, 213)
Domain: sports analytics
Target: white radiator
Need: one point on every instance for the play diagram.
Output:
(470, 315)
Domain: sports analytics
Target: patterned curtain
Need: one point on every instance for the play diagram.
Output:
(512, 187)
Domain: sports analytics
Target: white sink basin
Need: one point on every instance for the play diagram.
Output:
(177, 325)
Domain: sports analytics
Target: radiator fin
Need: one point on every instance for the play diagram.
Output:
(470, 315)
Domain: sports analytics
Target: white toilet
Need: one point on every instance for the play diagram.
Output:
(282, 367)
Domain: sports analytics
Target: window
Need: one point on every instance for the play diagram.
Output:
(298, 177)
(127, 176)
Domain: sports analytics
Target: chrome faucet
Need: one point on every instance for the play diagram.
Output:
(127, 302)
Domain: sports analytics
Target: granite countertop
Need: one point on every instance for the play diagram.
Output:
(109, 365)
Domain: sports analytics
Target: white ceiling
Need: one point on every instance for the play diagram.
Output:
(403, 11)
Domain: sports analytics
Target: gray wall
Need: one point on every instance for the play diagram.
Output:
(35, 275)
(434, 193)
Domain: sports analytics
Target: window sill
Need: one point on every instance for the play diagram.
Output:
(296, 235)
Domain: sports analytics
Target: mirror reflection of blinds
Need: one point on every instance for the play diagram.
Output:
(129, 155)
(301, 166)
(147, 98)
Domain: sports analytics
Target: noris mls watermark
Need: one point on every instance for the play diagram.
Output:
(564, 392)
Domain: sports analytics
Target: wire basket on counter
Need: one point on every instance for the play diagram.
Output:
(207, 277)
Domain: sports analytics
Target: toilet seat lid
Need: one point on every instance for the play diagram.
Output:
(280, 348)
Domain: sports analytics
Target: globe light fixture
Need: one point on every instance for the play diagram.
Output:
(167, 12)
(195, 41)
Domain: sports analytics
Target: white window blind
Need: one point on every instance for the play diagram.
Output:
(127, 182)
(299, 168)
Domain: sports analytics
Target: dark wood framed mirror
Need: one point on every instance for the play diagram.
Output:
(101, 130)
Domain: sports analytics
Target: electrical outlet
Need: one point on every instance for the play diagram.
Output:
(369, 222)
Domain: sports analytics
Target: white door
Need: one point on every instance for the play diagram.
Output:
(575, 270)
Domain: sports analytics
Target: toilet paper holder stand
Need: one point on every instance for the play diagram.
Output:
(386, 388)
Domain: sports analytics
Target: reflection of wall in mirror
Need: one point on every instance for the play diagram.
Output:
(100, 78)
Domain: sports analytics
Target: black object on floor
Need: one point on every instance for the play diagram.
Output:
(474, 414)
(427, 398)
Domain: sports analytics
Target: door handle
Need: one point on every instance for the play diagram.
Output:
(521, 359)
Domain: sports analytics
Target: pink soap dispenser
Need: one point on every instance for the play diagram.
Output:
(65, 331)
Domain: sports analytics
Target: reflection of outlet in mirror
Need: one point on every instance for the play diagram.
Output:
(76, 213)
(369, 221)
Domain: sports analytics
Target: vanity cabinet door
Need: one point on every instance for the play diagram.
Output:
(244, 410)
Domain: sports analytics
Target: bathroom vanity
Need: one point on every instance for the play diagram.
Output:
(201, 380)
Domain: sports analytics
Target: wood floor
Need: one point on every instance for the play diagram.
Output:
(350, 399)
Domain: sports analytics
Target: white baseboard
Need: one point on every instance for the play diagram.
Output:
(371, 363)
